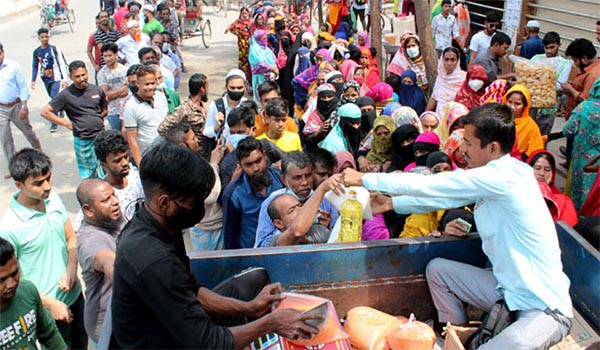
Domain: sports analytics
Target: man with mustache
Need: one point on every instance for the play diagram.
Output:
(86, 108)
(244, 196)
(96, 246)
(130, 44)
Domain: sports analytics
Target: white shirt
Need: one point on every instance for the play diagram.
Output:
(480, 41)
(443, 29)
(211, 118)
(128, 48)
(146, 118)
(516, 229)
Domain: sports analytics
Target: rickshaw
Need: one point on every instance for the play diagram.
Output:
(195, 25)
(51, 17)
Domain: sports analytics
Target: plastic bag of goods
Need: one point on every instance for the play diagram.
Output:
(411, 335)
(367, 328)
(540, 79)
(330, 331)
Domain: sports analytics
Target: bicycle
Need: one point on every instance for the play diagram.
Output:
(195, 25)
(50, 18)
(217, 6)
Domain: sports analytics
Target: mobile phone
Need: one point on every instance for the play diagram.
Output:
(321, 310)
(465, 224)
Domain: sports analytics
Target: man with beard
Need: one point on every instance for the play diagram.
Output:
(130, 44)
(86, 108)
(113, 154)
(157, 302)
(143, 113)
(104, 34)
(96, 245)
(319, 122)
(481, 41)
(20, 299)
(151, 23)
(243, 197)
(583, 54)
(192, 109)
(297, 176)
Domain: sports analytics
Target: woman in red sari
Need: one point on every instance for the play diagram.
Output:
(241, 28)
(370, 67)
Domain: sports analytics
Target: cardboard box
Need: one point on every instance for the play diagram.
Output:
(275, 342)
(582, 335)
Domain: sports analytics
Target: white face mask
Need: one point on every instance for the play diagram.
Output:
(412, 52)
(476, 84)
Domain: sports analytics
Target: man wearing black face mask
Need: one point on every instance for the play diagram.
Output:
(319, 121)
(192, 109)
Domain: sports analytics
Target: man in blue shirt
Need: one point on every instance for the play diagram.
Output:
(243, 197)
(533, 45)
(517, 234)
(13, 107)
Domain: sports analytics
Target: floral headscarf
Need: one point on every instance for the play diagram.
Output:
(466, 95)
(406, 115)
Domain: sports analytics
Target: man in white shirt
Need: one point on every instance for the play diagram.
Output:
(517, 234)
(130, 44)
(444, 28)
(481, 41)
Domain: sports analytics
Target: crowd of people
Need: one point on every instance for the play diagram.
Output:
(304, 113)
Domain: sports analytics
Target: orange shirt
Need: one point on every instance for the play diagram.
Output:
(262, 127)
(583, 83)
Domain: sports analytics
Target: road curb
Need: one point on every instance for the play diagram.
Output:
(18, 13)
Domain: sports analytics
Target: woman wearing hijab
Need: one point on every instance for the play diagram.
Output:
(305, 24)
(439, 162)
(262, 61)
(345, 135)
(286, 74)
(529, 137)
(494, 92)
(378, 158)
(345, 160)
(409, 56)
(241, 28)
(451, 120)
(343, 31)
(544, 170)
(325, 34)
(406, 115)
(381, 93)
(584, 125)
(370, 67)
(258, 23)
(449, 80)
(425, 143)
(402, 152)
(410, 94)
(368, 114)
(453, 150)
(302, 82)
(318, 122)
(430, 121)
(364, 41)
(336, 79)
(390, 108)
(472, 89)
(350, 92)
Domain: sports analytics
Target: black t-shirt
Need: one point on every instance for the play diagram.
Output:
(84, 109)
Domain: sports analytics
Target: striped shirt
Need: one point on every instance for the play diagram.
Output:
(101, 37)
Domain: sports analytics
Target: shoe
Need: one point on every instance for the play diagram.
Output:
(563, 150)
(53, 128)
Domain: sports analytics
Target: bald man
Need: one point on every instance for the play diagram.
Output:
(96, 245)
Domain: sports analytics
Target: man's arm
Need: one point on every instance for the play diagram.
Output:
(90, 52)
(104, 262)
(34, 68)
(69, 278)
(49, 114)
(134, 148)
(48, 334)
(59, 310)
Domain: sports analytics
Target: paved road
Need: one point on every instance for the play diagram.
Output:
(20, 38)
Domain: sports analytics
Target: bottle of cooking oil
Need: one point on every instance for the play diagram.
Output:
(351, 215)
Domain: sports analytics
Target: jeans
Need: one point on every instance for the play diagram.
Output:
(207, 240)
(114, 120)
(453, 283)
(52, 88)
(74, 332)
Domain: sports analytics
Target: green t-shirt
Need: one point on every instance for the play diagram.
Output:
(40, 245)
(25, 320)
(152, 26)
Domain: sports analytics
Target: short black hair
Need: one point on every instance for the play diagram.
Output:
(196, 82)
(500, 39)
(161, 6)
(175, 133)
(28, 162)
(446, 2)
(155, 33)
(247, 146)
(298, 159)
(551, 38)
(139, 6)
(322, 156)
(451, 49)
(394, 81)
(276, 108)
(133, 69)
(493, 16)
(167, 167)
(493, 122)
(110, 46)
(250, 104)
(168, 34)
(122, 3)
(272, 208)
(107, 142)
(241, 115)
(43, 31)
(267, 87)
(76, 65)
(7, 251)
(581, 48)
(145, 50)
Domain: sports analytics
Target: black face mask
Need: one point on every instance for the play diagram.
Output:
(235, 95)
(352, 134)
(345, 100)
(421, 160)
(133, 88)
(185, 218)
(339, 89)
(368, 118)
(407, 153)
(286, 43)
(325, 108)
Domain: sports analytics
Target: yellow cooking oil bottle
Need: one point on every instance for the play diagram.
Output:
(352, 219)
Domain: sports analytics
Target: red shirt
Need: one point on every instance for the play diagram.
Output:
(119, 16)
(92, 42)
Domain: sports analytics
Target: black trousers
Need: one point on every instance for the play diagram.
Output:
(74, 332)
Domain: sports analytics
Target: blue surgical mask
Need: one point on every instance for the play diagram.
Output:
(236, 138)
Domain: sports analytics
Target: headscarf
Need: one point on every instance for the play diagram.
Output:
(401, 156)
(348, 85)
(302, 60)
(260, 54)
(340, 49)
(366, 118)
(494, 92)
(256, 27)
(324, 55)
(535, 156)
(381, 146)
(529, 138)
(306, 36)
(466, 95)
(411, 95)
(327, 35)
(366, 38)
(339, 86)
(348, 67)
(437, 157)
(371, 70)
(453, 144)
(381, 92)
(406, 115)
(428, 113)
(401, 62)
(428, 142)
(343, 157)
(390, 108)
(447, 85)
(343, 31)
(325, 108)
(453, 112)
(343, 136)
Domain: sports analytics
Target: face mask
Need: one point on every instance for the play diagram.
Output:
(166, 47)
(133, 88)
(476, 84)
(339, 89)
(184, 218)
(325, 108)
(235, 95)
(368, 118)
(306, 44)
(421, 160)
(262, 41)
(412, 52)
(349, 100)
(359, 80)
(236, 138)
